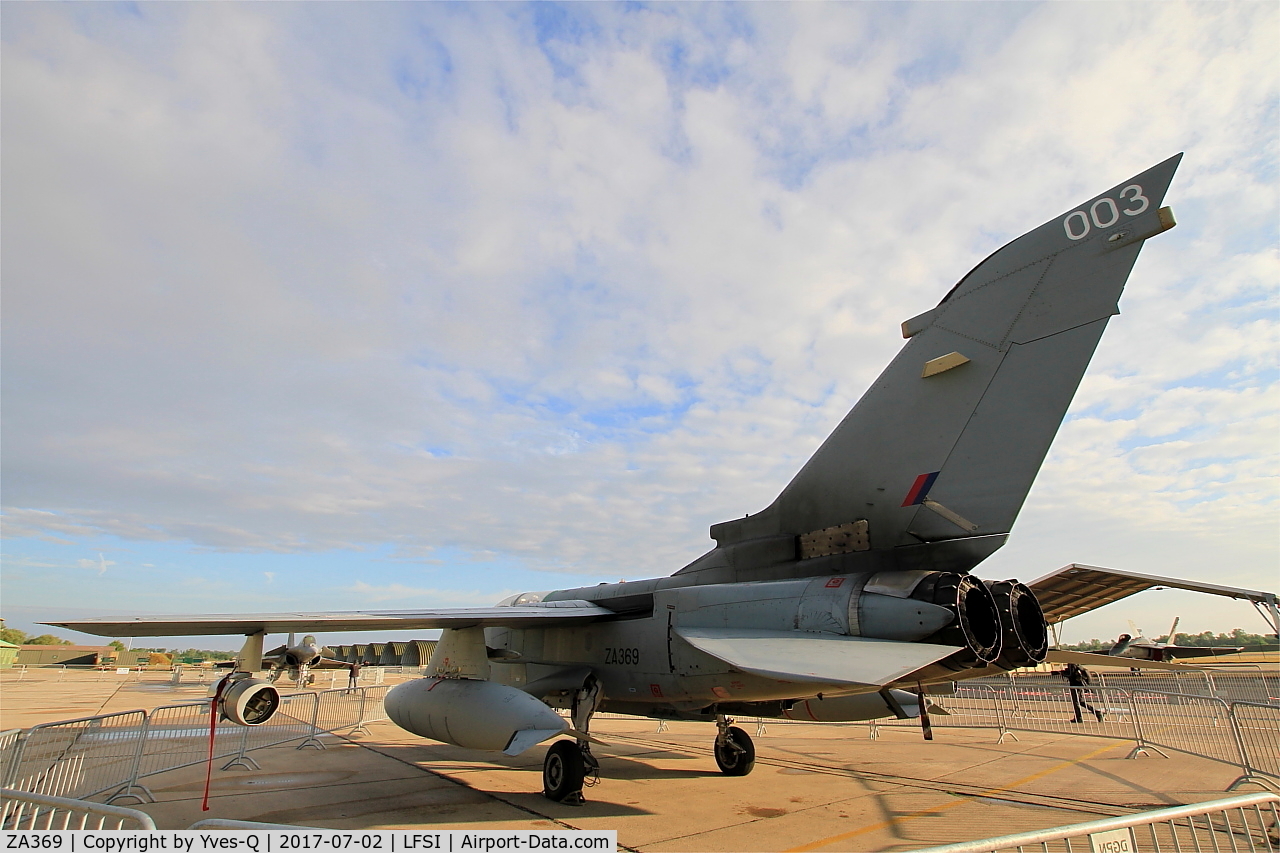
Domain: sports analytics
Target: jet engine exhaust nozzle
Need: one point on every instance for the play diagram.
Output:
(977, 626)
(1024, 632)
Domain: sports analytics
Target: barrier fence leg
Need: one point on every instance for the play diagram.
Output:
(1004, 729)
(141, 793)
(1248, 775)
(242, 760)
(15, 762)
(312, 738)
(1140, 747)
(361, 728)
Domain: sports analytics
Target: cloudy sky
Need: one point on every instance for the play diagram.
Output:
(388, 305)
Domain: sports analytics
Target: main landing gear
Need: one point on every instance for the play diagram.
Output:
(563, 772)
(735, 753)
(568, 763)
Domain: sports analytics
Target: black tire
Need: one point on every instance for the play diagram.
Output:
(563, 770)
(738, 755)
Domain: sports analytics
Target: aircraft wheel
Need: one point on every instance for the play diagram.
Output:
(737, 755)
(563, 771)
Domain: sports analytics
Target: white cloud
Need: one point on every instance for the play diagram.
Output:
(368, 594)
(286, 279)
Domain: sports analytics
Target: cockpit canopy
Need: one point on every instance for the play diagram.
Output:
(523, 598)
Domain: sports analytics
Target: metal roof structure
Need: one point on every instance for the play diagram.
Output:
(1075, 589)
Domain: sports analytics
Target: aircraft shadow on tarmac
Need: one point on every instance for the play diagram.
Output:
(448, 760)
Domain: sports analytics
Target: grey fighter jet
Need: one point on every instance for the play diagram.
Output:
(296, 660)
(1140, 648)
(849, 595)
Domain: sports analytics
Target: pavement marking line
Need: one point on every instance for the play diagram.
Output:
(814, 845)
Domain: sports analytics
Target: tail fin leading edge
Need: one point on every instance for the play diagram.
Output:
(948, 440)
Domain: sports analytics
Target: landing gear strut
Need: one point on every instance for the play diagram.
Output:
(735, 753)
(569, 763)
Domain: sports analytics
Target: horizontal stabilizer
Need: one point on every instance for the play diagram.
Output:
(1091, 659)
(812, 657)
(542, 615)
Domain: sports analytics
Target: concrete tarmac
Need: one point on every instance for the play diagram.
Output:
(828, 788)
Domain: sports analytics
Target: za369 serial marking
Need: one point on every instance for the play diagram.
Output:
(626, 657)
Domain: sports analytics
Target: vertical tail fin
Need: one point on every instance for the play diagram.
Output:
(948, 440)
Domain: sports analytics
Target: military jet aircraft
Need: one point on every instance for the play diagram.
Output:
(296, 660)
(1140, 648)
(850, 594)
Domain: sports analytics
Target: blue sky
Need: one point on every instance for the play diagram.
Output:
(382, 305)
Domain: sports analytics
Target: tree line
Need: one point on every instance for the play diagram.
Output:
(1237, 637)
(22, 638)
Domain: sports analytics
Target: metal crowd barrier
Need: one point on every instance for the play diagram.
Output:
(1229, 682)
(1197, 725)
(76, 758)
(20, 810)
(25, 810)
(1243, 734)
(1246, 683)
(8, 748)
(1257, 728)
(1238, 823)
(113, 752)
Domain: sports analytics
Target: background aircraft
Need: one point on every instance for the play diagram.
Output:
(1140, 648)
(848, 594)
(297, 660)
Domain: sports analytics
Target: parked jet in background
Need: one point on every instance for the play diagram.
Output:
(296, 660)
(1140, 648)
(849, 595)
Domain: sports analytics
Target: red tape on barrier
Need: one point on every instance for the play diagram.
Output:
(213, 732)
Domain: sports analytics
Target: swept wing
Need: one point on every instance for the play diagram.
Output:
(522, 616)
